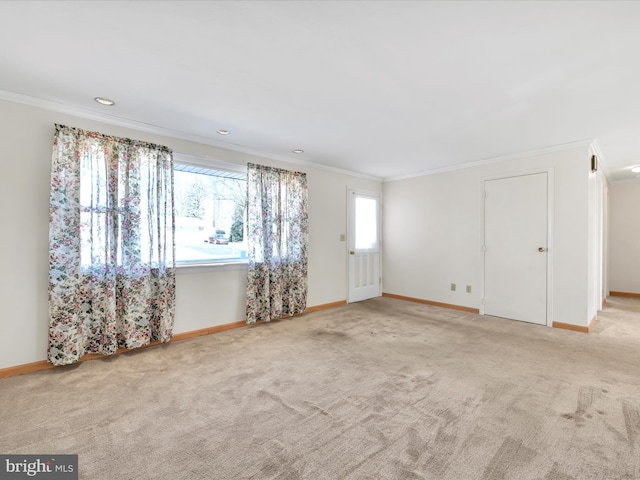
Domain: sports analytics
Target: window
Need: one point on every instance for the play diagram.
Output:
(123, 221)
(366, 223)
(210, 214)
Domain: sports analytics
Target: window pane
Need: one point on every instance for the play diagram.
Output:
(210, 212)
(366, 223)
(95, 209)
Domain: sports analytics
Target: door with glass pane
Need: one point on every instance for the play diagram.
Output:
(364, 246)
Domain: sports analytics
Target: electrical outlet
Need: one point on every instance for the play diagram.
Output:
(453, 287)
(468, 288)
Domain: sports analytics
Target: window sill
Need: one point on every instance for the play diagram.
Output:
(222, 265)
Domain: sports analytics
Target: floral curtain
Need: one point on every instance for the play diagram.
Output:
(111, 245)
(277, 239)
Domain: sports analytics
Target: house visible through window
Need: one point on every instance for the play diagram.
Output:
(210, 214)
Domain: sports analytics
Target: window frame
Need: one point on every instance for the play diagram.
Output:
(198, 162)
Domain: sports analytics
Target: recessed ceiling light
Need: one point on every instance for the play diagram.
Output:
(105, 101)
(298, 151)
(223, 132)
(636, 169)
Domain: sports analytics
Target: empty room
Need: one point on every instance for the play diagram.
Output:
(320, 240)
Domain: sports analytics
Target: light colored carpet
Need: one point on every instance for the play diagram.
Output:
(381, 389)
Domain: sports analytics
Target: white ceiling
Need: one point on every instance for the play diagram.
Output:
(386, 89)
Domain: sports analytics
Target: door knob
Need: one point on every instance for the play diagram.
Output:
(352, 252)
(541, 249)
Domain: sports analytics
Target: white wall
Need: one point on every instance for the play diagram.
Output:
(205, 296)
(596, 218)
(432, 228)
(606, 219)
(624, 237)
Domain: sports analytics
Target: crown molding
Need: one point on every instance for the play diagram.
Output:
(489, 161)
(166, 132)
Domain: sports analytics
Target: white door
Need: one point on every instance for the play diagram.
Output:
(364, 246)
(515, 248)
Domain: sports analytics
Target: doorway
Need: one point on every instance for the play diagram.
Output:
(516, 247)
(364, 246)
